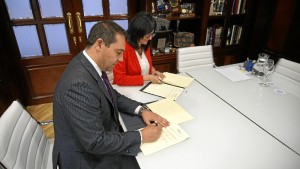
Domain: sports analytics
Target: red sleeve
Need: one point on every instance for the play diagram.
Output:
(128, 72)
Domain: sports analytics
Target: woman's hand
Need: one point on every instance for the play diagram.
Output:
(152, 78)
(156, 72)
(155, 79)
(160, 75)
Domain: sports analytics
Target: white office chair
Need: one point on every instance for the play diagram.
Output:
(287, 73)
(22, 141)
(194, 58)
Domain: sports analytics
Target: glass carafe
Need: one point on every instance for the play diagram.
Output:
(259, 65)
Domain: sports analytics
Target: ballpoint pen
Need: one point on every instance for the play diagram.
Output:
(154, 122)
(161, 80)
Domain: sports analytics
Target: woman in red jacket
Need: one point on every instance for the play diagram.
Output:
(136, 67)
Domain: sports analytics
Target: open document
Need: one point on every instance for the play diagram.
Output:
(177, 80)
(172, 86)
(170, 110)
(163, 90)
(166, 108)
(233, 73)
(170, 135)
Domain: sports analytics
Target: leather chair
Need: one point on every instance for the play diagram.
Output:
(194, 58)
(287, 73)
(23, 143)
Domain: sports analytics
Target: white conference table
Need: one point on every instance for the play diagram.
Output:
(220, 137)
(277, 114)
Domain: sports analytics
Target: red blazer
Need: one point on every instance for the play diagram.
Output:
(128, 72)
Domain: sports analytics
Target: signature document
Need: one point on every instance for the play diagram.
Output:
(170, 135)
(163, 90)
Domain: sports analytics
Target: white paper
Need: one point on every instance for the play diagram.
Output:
(233, 73)
(164, 90)
(170, 135)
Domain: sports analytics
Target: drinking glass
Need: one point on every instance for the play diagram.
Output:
(258, 66)
(268, 68)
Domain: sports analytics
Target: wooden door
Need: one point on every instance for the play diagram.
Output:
(46, 35)
(9, 87)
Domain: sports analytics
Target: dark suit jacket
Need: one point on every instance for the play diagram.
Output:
(87, 132)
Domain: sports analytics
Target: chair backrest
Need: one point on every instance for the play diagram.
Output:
(23, 143)
(194, 58)
(287, 73)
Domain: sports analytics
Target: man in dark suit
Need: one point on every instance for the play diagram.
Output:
(86, 124)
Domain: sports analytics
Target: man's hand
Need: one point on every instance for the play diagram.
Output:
(151, 133)
(151, 118)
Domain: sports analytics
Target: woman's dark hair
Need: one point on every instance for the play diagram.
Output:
(141, 24)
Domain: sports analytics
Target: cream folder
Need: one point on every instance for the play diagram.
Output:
(170, 110)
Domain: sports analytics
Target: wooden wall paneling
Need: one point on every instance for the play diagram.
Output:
(42, 82)
(263, 15)
(292, 42)
(281, 24)
(283, 40)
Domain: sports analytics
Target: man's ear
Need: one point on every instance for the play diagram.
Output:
(99, 43)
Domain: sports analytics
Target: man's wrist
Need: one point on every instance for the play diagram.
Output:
(142, 109)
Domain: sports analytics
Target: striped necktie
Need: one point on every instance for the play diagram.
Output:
(107, 84)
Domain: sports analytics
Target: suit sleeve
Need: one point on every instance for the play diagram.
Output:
(126, 105)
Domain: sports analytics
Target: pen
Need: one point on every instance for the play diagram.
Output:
(149, 103)
(154, 122)
(161, 80)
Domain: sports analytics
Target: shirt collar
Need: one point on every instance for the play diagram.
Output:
(93, 63)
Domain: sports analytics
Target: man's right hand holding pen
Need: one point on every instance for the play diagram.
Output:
(155, 123)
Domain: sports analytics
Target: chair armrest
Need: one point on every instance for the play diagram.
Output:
(43, 123)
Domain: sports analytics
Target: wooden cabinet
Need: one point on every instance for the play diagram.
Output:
(165, 62)
(225, 29)
(225, 25)
(178, 22)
